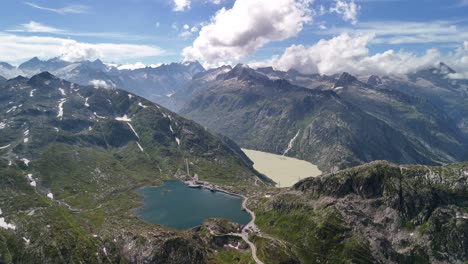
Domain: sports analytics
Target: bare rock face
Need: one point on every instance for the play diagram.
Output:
(340, 121)
(336, 128)
(374, 80)
(389, 213)
(345, 80)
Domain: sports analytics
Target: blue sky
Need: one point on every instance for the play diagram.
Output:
(152, 31)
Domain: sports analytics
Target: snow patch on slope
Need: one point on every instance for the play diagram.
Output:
(124, 118)
(4, 147)
(60, 106)
(131, 127)
(140, 147)
(291, 143)
(62, 91)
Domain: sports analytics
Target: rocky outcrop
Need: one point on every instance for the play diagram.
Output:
(397, 214)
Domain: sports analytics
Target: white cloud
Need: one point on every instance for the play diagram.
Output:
(181, 5)
(74, 51)
(248, 25)
(404, 32)
(16, 48)
(36, 27)
(188, 31)
(349, 53)
(69, 9)
(459, 60)
(461, 3)
(101, 84)
(322, 10)
(347, 10)
(185, 34)
(136, 66)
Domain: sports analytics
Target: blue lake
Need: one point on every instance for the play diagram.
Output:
(176, 205)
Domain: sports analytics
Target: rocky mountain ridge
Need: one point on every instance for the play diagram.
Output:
(375, 213)
(348, 122)
(155, 83)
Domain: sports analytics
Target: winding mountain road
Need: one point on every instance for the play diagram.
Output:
(194, 183)
(245, 234)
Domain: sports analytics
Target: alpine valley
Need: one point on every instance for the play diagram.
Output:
(78, 139)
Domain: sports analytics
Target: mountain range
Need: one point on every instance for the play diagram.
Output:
(75, 146)
(154, 83)
(71, 158)
(334, 121)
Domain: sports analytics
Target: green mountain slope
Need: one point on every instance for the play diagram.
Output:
(70, 159)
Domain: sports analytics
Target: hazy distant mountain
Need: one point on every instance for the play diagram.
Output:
(155, 84)
(338, 122)
(9, 71)
(6, 66)
(198, 83)
(71, 158)
(36, 65)
(160, 83)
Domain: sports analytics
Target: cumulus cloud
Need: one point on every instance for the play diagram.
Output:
(351, 54)
(237, 32)
(101, 84)
(16, 48)
(181, 5)
(188, 31)
(347, 10)
(76, 51)
(459, 60)
(136, 66)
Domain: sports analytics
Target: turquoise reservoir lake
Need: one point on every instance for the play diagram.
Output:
(176, 205)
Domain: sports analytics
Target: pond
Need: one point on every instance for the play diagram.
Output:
(178, 206)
